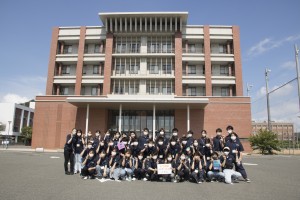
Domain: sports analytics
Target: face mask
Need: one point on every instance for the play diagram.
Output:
(92, 141)
(140, 157)
(229, 131)
(145, 132)
(189, 135)
(78, 134)
(215, 158)
(203, 134)
(117, 136)
(89, 146)
(89, 134)
(113, 153)
(175, 134)
(107, 134)
(102, 155)
(160, 143)
(161, 133)
(226, 153)
(150, 145)
(74, 132)
(219, 133)
(97, 134)
(110, 144)
(101, 144)
(169, 158)
(195, 144)
(124, 143)
(182, 157)
(207, 145)
(184, 142)
(173, 143)
(154, 157)
(91, 155)
(135, 143)
(233, 138)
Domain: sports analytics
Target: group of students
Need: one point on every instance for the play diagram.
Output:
(120, 156)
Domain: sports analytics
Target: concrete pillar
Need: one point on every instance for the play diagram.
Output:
(228, 47)
(120, 118)
(98, 90)
(62, 45)
(21, 123)
(188, 117)
(153, 123)
(87, 121)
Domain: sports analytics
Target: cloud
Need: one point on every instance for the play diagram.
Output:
(289, 65)
(14, 98)
(268, 44)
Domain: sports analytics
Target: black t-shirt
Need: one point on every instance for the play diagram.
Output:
(229, 161)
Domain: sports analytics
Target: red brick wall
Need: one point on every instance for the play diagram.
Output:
(178, 64)
(108, 63)
(51, 65)
(80, 61)
(208, 85)
(237, 61)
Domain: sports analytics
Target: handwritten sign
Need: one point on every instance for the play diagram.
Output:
(121, 145)
(164, 169)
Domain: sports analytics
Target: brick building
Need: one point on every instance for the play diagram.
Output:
(142, 69)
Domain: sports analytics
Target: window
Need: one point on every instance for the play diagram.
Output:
(167, 69)
(95, 69)
(121, 48)
(224, 91)
(94, 91)
(222, 48)
(224, 70)
(86, 48)
(84, 69)
(119, 90)
(134, 69)
(191, 69)
(167, 48)
(153, 69)
(134, 48)
(191, 48)
(82, 90)
(191, 91)
(154, 48)
(68, 49)
(66, 69)
(97, 48)
(120, 69)
(64, 90)
(153, 90)
(166, 90)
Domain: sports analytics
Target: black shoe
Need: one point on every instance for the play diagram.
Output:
(71, 173)
(67, 173)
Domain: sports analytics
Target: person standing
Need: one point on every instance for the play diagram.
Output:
(69, 152)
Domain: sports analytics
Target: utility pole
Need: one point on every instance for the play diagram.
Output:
(268, 102)
(298, 72)
(249, 87)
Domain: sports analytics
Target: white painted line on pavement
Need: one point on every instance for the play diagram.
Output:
(250, 164)
(54, 157)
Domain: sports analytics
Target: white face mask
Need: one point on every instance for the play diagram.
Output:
(89, 134)
(154, 157)
(140, 157)
(101, 143)
(182, 157)
(173, 143)
(145, 132)
(233, 138)
(150, 145)
(161, 132)
(160, 143)
(113, 153)
(78, 134)
(97, 134)
(74, 131)
(111, 144)
(175, 134)
(184, 142)
(207, 145)
(195, 144)
(124, 143)
(89, 146)
(169, 158)
(117, 136)
(189, 135)
(107, 134)
(91, 155)
(226, 153)
(229, 131)
(203, 134)
(219, 133)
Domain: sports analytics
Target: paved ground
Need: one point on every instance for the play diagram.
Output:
(30, 175)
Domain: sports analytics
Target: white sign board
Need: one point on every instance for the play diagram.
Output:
(164, 169)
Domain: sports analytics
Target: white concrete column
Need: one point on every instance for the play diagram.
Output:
(87, 121)
(188, 117)
(28, 118)
(153, 123)
(120, 118)
(21, 123)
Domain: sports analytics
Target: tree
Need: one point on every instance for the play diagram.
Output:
(266, 141)
(26, 133)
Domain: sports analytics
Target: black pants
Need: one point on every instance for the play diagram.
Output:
(153, 176)
(197, 176)
(86, 172)
(139, 173)
(240, 168)
(69, 156)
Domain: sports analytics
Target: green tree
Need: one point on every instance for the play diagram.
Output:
(26, 133)
(265, 141)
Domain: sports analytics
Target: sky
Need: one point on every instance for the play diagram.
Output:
(268, 31)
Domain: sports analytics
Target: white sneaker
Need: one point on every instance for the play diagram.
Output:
(126, 179)
(199, 182)
(145, 179)
(85, 178)
(247, 180)
(133, 179)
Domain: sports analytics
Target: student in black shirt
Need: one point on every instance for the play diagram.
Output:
(102, 165)
(89, 169)
(139, 169)
(183, 169)
(218, 141)
(227, 161)
(69, 152)
(196, 168)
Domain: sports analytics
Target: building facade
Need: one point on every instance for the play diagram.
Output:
(14, 117)
(148, 69)
(284, 130)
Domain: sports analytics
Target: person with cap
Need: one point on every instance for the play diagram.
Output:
(215, 169)
(227, 161)
(236, 151)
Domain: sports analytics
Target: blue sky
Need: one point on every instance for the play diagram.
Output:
(269, 30)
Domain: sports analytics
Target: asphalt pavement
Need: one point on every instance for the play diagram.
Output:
(31, 175)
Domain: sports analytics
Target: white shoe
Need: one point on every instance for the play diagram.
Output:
(85, 178)
(133, 179)
(145, 179)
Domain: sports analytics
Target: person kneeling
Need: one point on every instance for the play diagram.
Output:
(89, 169)
(215, 169)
